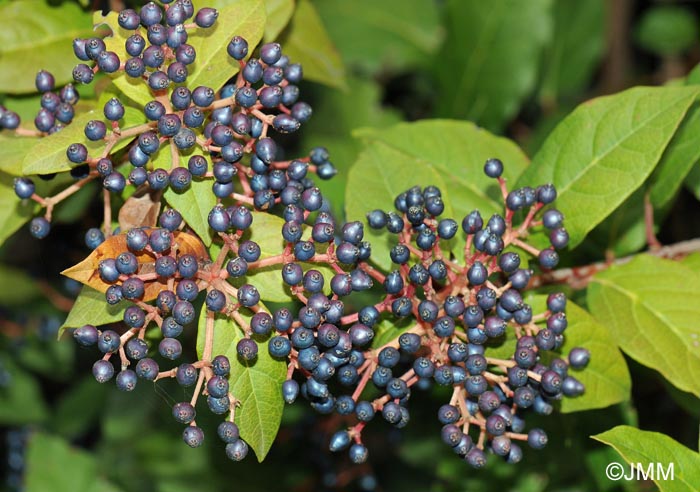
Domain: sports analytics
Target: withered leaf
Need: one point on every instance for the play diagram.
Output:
(86, 271)
(140, 209)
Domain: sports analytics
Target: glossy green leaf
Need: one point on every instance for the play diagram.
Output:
(692, 261)
(13, 151)
(267, 233)
(605, 150)
(278, 12)
(37, 36)
(213, 67)
(667, 30)
(258, 385)
(623, 232)
(678, 159)
(53, 464)
(692, 181)
(576, 48)
(17, 287)
(49, 154)
(488, 63)
(91, 308)
(647, 448)
(194, 205)
(383, 36)
(649, 305)
(13, 211)
(307, 42)
(445, 153)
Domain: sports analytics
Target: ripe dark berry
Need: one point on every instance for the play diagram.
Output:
(83, 74)
(170, 348)
(546, 194)
(579, 357)
(108, 61)
(537, 438)
(206, 17)
(247, 349)
(39, 227)
(493, 168)
(193, 436)
(237, 450)
(548, 258)
(135, 45)
(103, 371)
(552, 219)
(238, 48)
(128, 19)
(24, 187)
(86, 335)
(472, 222)
(228, 432)
(44, 81)
(126, 380)
(186, 375)
(184, 412)
(150, 14)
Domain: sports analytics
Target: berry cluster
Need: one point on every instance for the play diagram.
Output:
(457, 312)
(57, 108)
(454, 308)
(221, 137)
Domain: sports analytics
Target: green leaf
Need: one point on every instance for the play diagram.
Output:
(307, 42)
(49, 154)
(692, 181)
(278, 12)
(667, 30)
(384, 36)
(651, 448)
(21, 401)
(576, 48)
(678, 159)
(91, 308)
(649, 305)
(605, 150)
(448, 154)
(258, 385)
(17, 287)
(213, 67)
(53, 464)
(623, 232)
(692, 261)
(194, 204)
(13, 211)
(266, 231)
(38, 36)
(13, 151)
(483, 40)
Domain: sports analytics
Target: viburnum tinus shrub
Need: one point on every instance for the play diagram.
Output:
(178, 269)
